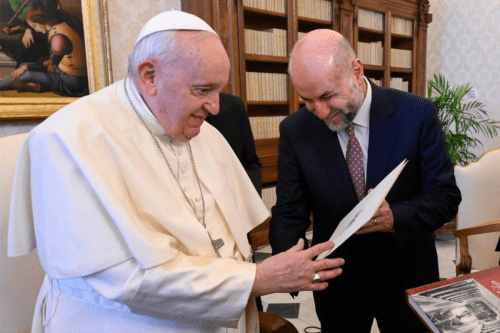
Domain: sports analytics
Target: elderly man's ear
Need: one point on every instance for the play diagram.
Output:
(146, 77)
(357, 68)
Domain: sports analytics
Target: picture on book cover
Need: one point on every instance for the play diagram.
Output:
(465, 307)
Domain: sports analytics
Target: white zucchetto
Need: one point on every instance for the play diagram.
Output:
(173, 20)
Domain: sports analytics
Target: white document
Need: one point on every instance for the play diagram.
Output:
(363, 211)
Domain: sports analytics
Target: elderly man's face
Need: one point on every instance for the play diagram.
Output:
(189, 90)
(332, 96)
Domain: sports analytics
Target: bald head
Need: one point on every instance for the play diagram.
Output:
(321, 50)
(328, 77)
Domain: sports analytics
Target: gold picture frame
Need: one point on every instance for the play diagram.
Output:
(97, 48)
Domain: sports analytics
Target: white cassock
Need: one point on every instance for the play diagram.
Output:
(122, 249)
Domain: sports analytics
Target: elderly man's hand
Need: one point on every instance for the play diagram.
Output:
(295, 269)
(381, 221)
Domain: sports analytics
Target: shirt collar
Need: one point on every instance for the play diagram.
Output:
(363, 116)
(143, 110)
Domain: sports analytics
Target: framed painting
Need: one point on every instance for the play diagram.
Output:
(22, 105)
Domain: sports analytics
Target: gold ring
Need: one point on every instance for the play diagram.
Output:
(316, 278)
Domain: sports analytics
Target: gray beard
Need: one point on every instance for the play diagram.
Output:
(347, 118)
(351, 112)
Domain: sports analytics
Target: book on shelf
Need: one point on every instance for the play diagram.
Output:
(402, 26)
(364, 210)
(370, 19)
(467, 304)
(399, 83)
(266, 87)
(270, 5)
(315, 9)
(401, 58)
(371, 53)
(266, 42)
(266, 127)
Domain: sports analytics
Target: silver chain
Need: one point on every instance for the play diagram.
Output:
(202, 220)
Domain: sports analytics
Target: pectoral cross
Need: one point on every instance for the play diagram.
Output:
(216, 244)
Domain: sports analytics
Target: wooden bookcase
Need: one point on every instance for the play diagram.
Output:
(293, 19)
(400, 27)
(233, 20)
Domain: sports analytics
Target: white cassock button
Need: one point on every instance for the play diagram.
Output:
(184, 170)
(197, 199)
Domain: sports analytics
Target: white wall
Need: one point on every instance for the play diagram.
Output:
(463, 44)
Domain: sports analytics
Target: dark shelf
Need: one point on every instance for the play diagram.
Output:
(258, 11)
(370, 35)
(267, 108)
(265, 58)
(260, 19)
(401, 71)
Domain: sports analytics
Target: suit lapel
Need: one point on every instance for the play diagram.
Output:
(382, 137)
(331, 157)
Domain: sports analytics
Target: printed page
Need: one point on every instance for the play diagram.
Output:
(363, 211)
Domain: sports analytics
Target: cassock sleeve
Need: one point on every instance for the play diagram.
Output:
(188, 289)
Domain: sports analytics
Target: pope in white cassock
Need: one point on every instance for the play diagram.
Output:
(140, 210)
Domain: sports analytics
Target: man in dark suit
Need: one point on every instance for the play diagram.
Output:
(395, 249)
(232, 121)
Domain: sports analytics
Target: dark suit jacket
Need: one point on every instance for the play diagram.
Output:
(232, 121)
(313, 178)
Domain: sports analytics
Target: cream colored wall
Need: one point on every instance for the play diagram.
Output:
(125, 21)
(463, 44)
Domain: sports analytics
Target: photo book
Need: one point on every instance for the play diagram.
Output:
(465, 304)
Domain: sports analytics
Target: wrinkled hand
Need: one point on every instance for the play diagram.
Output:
(294, 270)
(28, 38)
(16, 73)
(381, 221)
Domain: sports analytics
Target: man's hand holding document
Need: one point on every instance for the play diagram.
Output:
(363, 212)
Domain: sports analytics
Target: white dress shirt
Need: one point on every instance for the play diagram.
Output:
(361, 127)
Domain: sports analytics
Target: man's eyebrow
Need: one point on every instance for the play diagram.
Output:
(204, 85)
(324, 95)
(327, 94)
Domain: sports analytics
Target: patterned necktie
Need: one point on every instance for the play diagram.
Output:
(354, 159)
